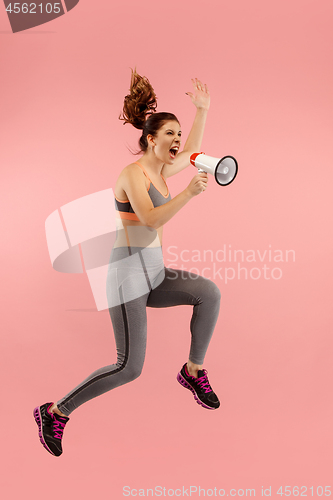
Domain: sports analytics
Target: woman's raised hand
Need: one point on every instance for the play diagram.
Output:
(200, 96)
(198, 184)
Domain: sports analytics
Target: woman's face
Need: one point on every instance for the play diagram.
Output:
(166, 143)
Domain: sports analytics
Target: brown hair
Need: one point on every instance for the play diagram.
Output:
(141, 103)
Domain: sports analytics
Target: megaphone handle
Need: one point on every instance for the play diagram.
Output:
(200, 170)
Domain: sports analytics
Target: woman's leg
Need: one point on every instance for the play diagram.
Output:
(130, 327)
(128, 285)
(129, 322)
(181, 287)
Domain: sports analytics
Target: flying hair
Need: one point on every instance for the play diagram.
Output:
(140, 102)
(140, 110)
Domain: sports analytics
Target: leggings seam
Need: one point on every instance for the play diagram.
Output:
(107, 374)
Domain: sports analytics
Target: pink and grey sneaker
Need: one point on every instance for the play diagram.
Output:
(51, 428)
(200, 387)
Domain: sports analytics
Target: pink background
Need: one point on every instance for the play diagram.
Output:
(268, 66)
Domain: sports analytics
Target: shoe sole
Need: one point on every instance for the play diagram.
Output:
(185, 384)
(38, 419)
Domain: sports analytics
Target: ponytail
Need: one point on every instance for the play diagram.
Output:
(140, 102)
(139, 109)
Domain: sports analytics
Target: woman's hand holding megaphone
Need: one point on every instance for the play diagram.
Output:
(198, 184)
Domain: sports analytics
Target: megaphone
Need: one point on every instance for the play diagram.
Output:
(224, 169)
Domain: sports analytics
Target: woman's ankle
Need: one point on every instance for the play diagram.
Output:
(55, 409)
(193, 368)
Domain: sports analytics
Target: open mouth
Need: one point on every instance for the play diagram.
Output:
(173, 152)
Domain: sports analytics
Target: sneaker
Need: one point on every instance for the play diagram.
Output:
(200, 387)
(51, 428)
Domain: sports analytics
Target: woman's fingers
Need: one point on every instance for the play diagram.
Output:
(200, 96)
(198, 183)
(204, 180)
(199, 85)
(196, 83)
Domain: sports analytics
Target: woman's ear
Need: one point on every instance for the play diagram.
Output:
(151, 140)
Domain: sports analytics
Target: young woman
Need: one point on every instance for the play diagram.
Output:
(137, 277)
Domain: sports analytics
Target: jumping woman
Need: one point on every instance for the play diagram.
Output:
(137, 277)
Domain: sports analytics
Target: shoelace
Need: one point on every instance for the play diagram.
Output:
(58, 427)
(204, 383)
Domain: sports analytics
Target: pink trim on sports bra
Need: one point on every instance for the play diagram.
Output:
(146, 174)
(126, 215)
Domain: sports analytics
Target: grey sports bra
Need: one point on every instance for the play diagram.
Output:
(124, 207)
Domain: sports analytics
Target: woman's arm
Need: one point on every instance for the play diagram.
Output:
(154, 217)
(201, 99)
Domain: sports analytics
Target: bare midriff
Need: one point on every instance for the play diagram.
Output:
(128, 235)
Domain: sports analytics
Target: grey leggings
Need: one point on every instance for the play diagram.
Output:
(134, 282)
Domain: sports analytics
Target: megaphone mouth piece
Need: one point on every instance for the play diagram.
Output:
(193, 157)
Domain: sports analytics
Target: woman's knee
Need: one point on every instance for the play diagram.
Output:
(131, 373)
(211, 291)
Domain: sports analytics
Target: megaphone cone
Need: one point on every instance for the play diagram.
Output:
(224, 169)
